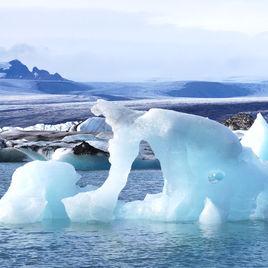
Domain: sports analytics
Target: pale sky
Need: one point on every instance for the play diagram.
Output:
(133, 40)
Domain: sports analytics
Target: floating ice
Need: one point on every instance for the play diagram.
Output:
(36, 191)
(88, 162)
(257, 138)
(83, 161)
(68, 126)
(208, 175)
(94, 124)
(12, 155)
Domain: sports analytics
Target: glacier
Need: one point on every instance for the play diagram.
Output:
(209, 175)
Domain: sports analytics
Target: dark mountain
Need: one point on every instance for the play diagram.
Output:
(203, 89)
(17, 70)
(15, 77)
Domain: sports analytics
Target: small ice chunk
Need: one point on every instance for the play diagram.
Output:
(36, 191)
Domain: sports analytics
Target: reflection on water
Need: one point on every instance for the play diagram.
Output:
(131, 243)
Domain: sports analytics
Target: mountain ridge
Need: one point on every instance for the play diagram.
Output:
(15, 69)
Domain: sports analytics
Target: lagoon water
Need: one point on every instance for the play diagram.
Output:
(130, 243)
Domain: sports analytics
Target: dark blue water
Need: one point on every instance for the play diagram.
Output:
(131, 243)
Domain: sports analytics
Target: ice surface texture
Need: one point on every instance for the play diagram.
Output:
(94, 124)
(208, 175)
(36, 191)
(257, 138)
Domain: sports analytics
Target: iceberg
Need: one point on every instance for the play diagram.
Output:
(209, 176)
(88, 161)
(12, 155)
(94, 124)
(36, 191)
(256, 138)
(67, 127)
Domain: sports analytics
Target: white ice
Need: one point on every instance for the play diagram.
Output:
(36, 191)
(68, 126)
(256, 138)
(206, 170)
(208, 175)
(94, 124)
(5, 65)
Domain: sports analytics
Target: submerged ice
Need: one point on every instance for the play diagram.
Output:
(208, 174)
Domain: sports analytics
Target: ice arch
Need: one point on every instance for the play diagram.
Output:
(208, 174)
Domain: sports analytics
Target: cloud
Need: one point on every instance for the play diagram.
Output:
(137, 40)
(16, 51)
(220, 15)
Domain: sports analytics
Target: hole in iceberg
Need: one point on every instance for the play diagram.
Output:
(145, 176)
